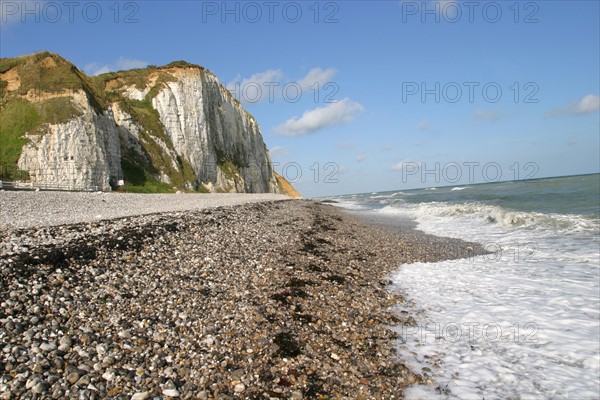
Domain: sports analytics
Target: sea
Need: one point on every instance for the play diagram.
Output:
(522, 322)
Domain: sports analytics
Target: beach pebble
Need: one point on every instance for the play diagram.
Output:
(73, 377)
(258, 300)
(239, 388)
(65, 344)
(108, 375)
(170, 392)
(40, 388)
(47, 347)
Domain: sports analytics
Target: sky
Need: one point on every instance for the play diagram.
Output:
(365, 96)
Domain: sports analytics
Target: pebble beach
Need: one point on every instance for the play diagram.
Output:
(193, 297)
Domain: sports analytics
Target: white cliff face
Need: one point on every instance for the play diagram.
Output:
(129, 132)
(132, 140)
(206, 127)
(81, 154)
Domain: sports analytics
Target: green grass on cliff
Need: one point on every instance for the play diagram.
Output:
(58, 110)
(3, 86)
(46, 72)
(139, 78)
(230, 170)
(35, 77)
(133, 77)
(18, 117)
(140, 180)
(147, 117)
(34, 73)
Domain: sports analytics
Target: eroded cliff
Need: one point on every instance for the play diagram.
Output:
(153, 129)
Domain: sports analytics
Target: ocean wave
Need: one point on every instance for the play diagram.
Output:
(485, 214)
(350, 204)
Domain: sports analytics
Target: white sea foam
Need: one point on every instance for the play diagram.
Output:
(433, 217)
(520, 323)
(350, 204)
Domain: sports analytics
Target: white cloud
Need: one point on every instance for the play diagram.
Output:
(423, 126)
(586, 105)
(278, 151)
(342, 171)
(270, 84)
(127, 63)
(487, 115)
(402, 165)
(317, 76)
(257, 87)
(361, 157)
(120, 64)
(95, 69)
(319, 118)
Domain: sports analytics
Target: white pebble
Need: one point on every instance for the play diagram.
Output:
(171, 392)
(239, 388)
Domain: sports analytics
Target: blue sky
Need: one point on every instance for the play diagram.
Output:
(379, 95)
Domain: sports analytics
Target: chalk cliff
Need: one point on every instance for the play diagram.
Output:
(153, 129)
